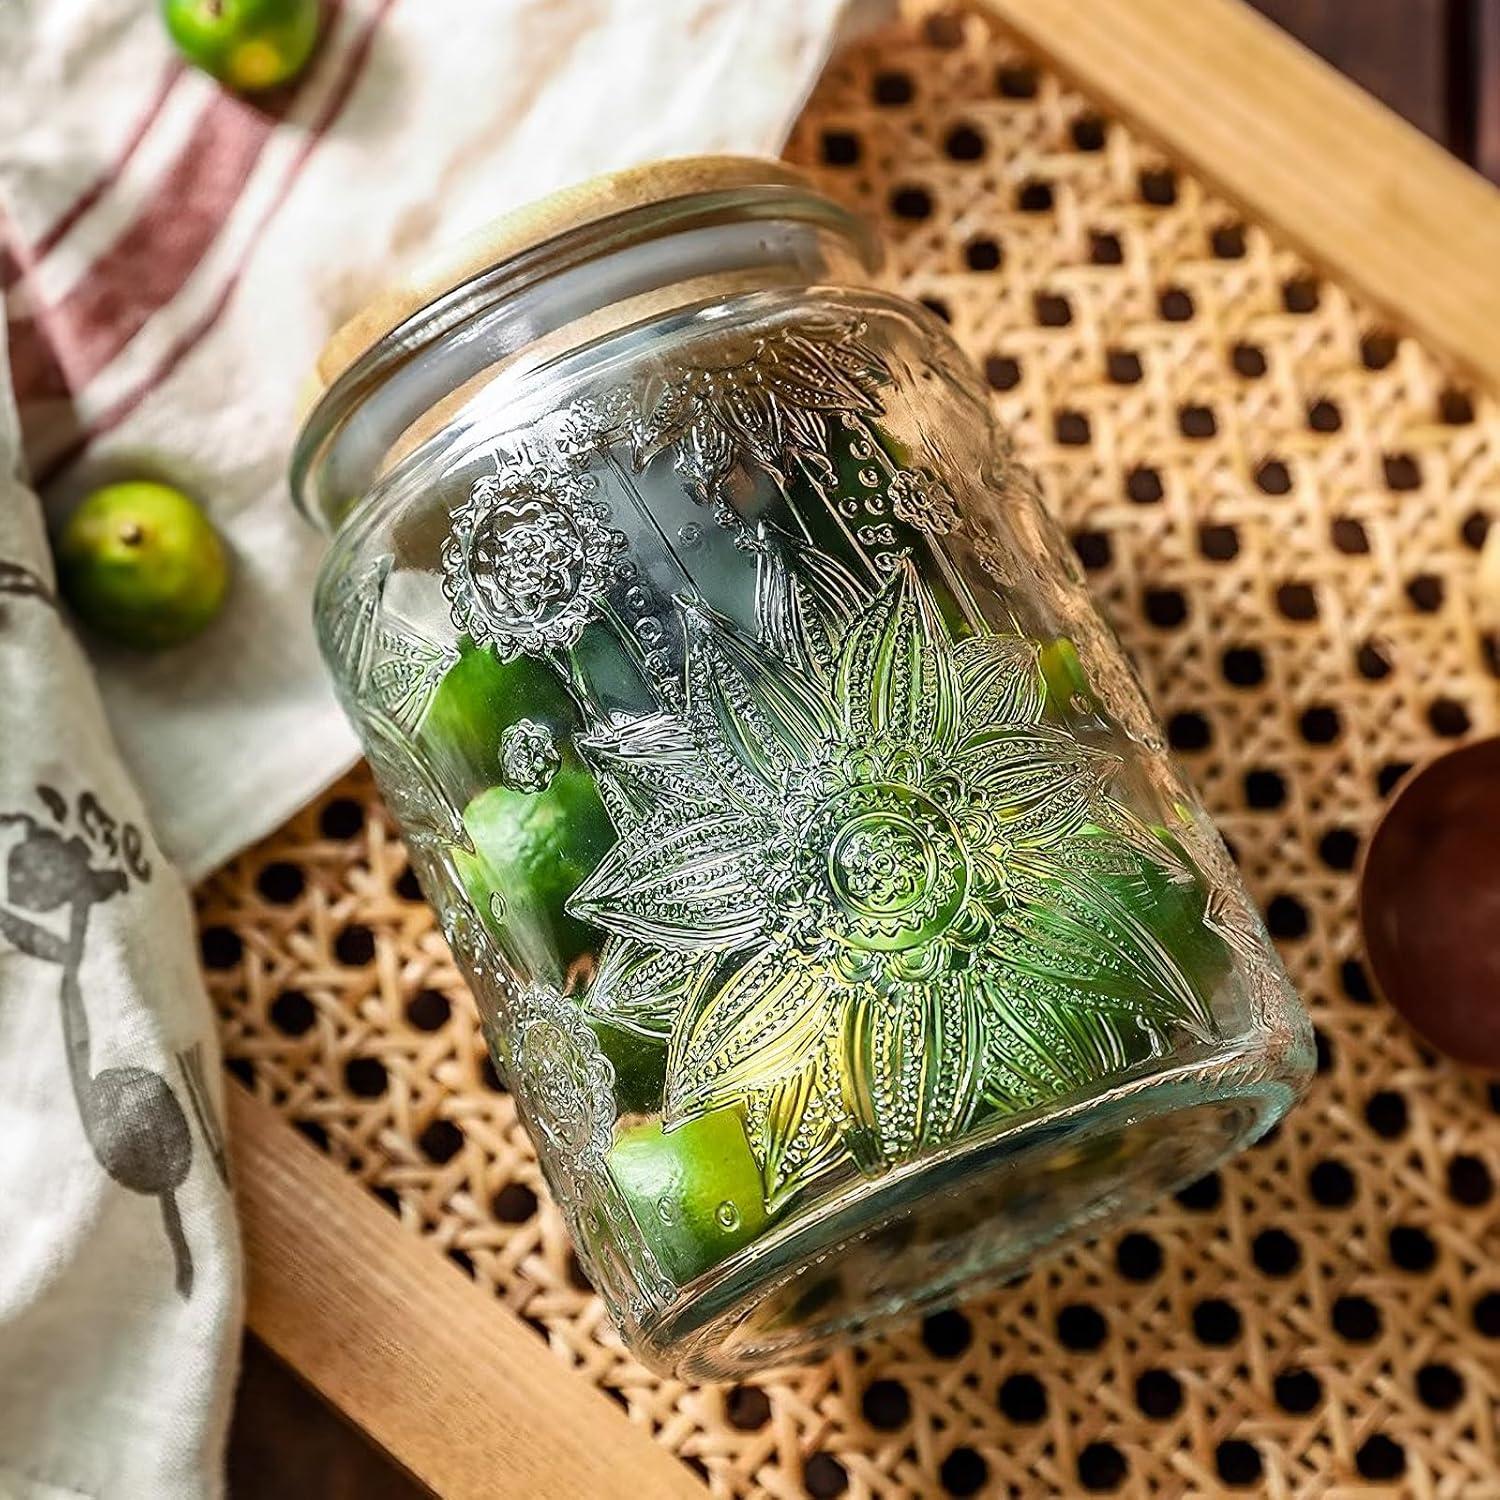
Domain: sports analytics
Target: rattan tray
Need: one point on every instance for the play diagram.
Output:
(1279, 502)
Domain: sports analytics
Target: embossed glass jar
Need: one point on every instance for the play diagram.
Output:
(836, 916)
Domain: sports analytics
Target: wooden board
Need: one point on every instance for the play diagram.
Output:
(1299, 147)
(439, 1374)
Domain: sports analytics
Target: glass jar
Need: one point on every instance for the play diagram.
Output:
(837, 918)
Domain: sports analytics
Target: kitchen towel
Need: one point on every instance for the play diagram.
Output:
(119, 1268)
(173, 257)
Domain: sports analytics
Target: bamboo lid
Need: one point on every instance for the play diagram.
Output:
(587, 202)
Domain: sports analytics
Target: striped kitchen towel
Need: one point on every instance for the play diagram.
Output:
(120, 1281)
(172, 258)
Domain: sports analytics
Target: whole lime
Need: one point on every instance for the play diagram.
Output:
(640, 1065)
(247, 44)
(140, 563)
(532, 851)
(695, 1191)
(479, 698)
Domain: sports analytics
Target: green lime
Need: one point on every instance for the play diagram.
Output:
(640, 1065)
(532, 851)
(247, 44)
(1174, 910)
(695, 1191)
(479, 698)
(141, 564)
(1063, 674)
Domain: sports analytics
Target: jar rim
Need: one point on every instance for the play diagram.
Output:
(455, 283)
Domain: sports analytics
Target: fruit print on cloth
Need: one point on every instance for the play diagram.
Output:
(67, 863)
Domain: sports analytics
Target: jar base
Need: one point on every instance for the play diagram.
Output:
(954, 1225)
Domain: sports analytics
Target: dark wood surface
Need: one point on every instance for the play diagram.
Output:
(1397, 49)
(1485, 151)
(1436, 62)
(288, 1444)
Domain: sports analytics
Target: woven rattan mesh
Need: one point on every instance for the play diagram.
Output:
(1279, 505)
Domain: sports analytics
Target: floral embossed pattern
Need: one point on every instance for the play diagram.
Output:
(884, 894)
(824, 883)
(530, 556)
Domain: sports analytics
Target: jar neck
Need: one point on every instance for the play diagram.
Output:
(663, 255)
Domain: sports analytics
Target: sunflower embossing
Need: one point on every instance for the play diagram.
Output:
(562, 1081)
(529, 757)
(864, 888)
(774, 405)
(530, 558)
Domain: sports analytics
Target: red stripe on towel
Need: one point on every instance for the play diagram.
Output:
(24, 260)
(177, 225)
(358, 56)
(147, 266)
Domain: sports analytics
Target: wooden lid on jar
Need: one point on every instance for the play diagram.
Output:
(587, 202)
